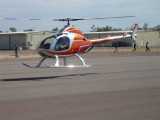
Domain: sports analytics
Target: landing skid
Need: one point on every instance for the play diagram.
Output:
(37, 66)
(57, 65)
(67, 66)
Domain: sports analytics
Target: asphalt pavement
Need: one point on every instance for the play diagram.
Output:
(115, 88)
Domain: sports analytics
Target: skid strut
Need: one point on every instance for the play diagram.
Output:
(65, 63)
(81, 59)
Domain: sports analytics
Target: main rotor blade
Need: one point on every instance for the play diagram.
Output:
(67, 19)
(107, 17)
(27, 19)
(70, 19)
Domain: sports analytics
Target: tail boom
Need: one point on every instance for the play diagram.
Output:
(107, 39)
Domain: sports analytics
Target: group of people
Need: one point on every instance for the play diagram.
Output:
(134, 47)
(147, 47)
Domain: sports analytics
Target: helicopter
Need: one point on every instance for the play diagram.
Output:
(69, 41)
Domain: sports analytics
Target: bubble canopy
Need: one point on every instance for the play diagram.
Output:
(60, 43)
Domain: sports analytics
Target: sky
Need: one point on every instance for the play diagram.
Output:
(145, 11)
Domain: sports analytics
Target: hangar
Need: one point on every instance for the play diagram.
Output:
(25, 40)
(29, 40)
(153, 37)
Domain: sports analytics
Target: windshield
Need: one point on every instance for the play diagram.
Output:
(62, 43)
(46, 43)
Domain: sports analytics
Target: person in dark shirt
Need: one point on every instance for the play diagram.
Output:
(134, 47)
(116, 46)
(147, 47)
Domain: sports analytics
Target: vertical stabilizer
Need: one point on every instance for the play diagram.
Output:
(134, 32)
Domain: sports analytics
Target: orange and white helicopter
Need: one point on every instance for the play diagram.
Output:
(69, 41)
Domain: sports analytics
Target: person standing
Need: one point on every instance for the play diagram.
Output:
(134, 47)
(116, 46)
(16, 51)
(147, 47)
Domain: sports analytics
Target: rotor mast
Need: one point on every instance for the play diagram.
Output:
(68, 23)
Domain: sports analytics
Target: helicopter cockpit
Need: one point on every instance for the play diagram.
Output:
(60, 43)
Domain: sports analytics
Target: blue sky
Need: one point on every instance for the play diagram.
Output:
(145, 11)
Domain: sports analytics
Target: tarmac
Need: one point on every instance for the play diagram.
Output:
(117, 86)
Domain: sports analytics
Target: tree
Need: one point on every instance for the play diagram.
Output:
(132, 27)
(117, 29)
(55, 29)
(93, 28)
(28, 30)
(102, 29)
(12, 29)
(145, 26)
(1, 31)
(156, 28)
(107, 28)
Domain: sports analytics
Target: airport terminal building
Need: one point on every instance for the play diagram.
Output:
(29, 40)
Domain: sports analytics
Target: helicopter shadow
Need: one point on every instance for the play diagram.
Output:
(46, 78)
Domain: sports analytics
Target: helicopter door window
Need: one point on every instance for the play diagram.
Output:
(62, 43)
(45, 46)
(46, 43)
